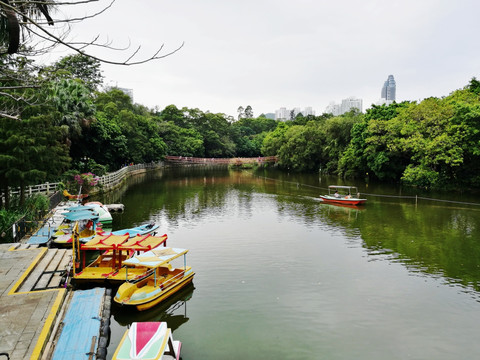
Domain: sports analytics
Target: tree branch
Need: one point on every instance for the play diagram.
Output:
(2, 114)
(80, 47)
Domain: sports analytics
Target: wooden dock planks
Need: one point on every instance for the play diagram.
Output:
(48, 272)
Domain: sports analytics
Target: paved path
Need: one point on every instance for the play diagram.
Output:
(26, 318)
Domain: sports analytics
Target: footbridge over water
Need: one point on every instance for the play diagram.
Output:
(238, 161)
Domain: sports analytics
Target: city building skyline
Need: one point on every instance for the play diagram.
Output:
(388, 96)
(286, 114)
(345, 106)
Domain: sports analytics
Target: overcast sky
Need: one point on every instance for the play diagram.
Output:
(277, 53)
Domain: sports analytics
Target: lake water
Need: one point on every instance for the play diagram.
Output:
(279, 275)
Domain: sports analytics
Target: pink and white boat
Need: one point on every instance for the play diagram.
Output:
(148, 341)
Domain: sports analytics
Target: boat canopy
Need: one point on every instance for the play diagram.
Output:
(105, 242)
(155, 258)
(80, 208)
(143, 243)
(341, 187)
(144, 339)
(81, 215)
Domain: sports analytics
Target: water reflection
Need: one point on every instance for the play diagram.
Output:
(173, 311)
(326, 271)
(434, 240)
(431, 238)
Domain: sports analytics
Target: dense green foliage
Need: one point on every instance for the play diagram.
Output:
(432, 144)
(68, 126)
(31, 211)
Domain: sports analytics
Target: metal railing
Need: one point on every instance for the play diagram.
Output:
(107, 181)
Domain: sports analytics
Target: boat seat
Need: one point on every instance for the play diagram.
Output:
(90, 272)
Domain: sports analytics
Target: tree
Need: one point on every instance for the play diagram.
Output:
(248, 112)
(368, 151)
(181, 141)
(79, 67)
(274, 140)
(103, 141)
(34, 35)
(215, 130)
(302, 148)
(443, 138)
(11, 30)
(19, 86)
(241, 112)
(74, 103)
(337, 131)
(28, 35)
(248, 135)
(175, 115)
(31, 152)
(474, 86)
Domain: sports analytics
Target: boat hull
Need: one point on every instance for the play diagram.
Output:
(156, 297)
(137, 231)
(166, 295)
(343, 201)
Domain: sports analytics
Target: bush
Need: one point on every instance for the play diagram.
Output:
(33, 211)
(73, 181)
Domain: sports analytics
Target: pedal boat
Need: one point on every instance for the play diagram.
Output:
(148, 341)
(114, 250)
(104, 215)
(158, 281)
(343, 195)
(138, 230)
(88, 221)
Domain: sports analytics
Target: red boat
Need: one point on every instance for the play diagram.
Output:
(345, 195)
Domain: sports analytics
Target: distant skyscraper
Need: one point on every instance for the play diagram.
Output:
(389, 89)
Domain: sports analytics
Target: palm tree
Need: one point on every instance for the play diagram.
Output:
(10, 26)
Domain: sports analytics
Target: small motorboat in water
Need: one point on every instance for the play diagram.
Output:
(342, 194)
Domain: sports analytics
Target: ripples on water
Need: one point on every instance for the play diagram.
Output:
(280, 275)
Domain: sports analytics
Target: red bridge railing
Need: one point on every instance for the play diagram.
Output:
(227, 161)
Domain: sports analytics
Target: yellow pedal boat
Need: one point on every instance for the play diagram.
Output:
(114, 251)
(158, 281)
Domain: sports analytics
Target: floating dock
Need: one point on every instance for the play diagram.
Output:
(36, 306)
(85, 327)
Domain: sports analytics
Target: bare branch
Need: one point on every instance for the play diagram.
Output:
(87, 16)
(13, 117)
(18, 88)
(38, 28)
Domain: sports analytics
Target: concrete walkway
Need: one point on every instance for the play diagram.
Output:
(26, 318)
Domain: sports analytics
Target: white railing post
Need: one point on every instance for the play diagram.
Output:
(107, 180)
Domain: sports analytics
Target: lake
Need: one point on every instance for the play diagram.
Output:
(279, 275)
